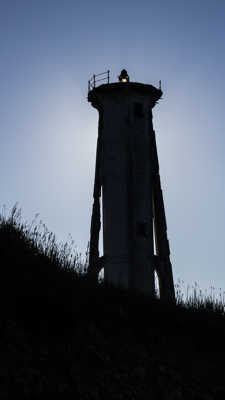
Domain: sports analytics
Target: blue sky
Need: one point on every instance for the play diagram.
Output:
(49, 50)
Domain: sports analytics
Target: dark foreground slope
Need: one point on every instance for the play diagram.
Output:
(59, 335)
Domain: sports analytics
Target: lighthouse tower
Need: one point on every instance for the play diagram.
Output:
(135, 243)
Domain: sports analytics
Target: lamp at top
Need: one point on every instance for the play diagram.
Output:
(124, 77)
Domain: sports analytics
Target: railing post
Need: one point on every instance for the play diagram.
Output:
(95, 79)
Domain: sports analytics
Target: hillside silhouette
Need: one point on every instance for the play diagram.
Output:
(61, 334)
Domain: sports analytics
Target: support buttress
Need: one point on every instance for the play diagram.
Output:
(162, 258)
(96, 262)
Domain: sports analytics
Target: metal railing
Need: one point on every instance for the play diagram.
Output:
(104, 76)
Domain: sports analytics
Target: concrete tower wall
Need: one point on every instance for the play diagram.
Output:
(126, 171)
(115, 191)
(142, 274)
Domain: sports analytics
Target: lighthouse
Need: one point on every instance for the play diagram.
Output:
(135, 243)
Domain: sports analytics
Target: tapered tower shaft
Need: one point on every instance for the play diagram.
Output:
(127, 176)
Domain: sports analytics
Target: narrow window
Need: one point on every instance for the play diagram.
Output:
(138, 110)
(142, 229)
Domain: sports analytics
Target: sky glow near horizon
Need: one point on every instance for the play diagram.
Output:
(49, 50)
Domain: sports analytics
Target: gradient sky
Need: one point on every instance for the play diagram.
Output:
(48, 51)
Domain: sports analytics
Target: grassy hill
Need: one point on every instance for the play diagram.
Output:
(61, 335)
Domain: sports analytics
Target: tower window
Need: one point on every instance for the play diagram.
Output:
(142, 229)
(138, 110)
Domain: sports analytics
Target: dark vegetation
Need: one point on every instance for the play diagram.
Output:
(62, 335)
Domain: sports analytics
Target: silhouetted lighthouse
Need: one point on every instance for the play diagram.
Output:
(135, 243)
